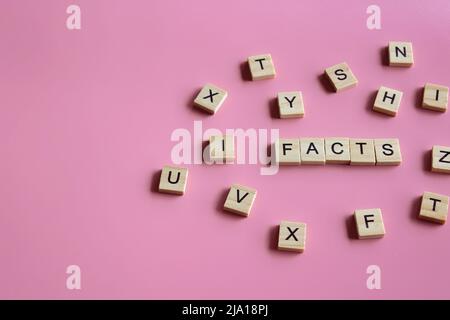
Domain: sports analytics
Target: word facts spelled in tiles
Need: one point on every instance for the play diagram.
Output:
(362, 152)
(290, 104)
(287, 151)
(388, 101)
(173, 180)
(434, 207)
(312, 150)
(369, 223)
(341, 76)
(240, 200)
(292, 236)
(435, 97)
(210, 98)
(440, 159)
(221, 148)
(261, 67)
(387, 152)
(400, 54)
(337, 150)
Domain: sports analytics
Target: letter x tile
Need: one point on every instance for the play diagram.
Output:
(292, 236)
(434, 207)
(210, 98)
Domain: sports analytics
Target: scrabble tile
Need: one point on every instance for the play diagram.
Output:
(312, 150)
(287, 151)
(369, 223)
(400, 54)
(173, 180)
(210, 98)
(292, 236)
(388, 101)
(362, 152)
(221, 148)
(240, 200)
(441, 159)
(261, 67)
(387, 152)
(337, 150)
(341, 76)
(290, 104)
(434, 207)
(435, 97)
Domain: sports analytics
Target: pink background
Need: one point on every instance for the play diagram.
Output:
(85, 124)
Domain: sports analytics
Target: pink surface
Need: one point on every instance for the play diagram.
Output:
(85, 124)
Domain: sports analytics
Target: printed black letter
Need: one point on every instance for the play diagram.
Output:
(292, 234)
(178, 177)
(340, 74)
(367, 221)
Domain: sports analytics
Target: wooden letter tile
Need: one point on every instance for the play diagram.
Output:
(240, 200)
(341, 76)
(362, 152)
(261, 67)
(173, 180)
(388, 101)
(369, 223)
(400, 54)
(221, 148)
(312, 150)
(441, 159)
(434, 207)
(387, 152)
(337, 150)
(290, 104)
(292, 236)
(435, 97)
(287, 151)
(210, 98)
